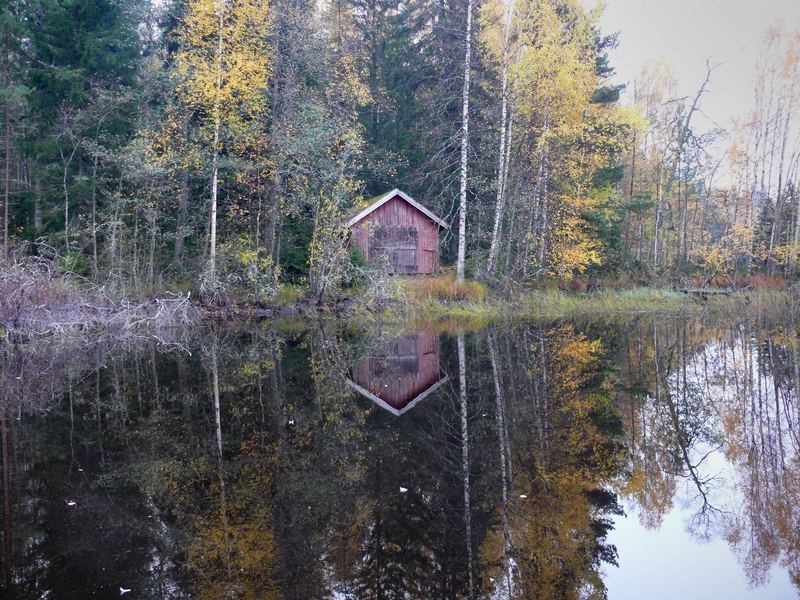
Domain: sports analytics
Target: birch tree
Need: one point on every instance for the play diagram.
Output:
(226, 63)
(505, 127)
(462, 207)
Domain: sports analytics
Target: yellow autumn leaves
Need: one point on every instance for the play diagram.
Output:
(552, 77)
(225, 62)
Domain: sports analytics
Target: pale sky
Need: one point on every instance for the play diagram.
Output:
(683, 33)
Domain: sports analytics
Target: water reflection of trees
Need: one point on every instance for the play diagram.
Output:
(561, 425)
(248, 468)
(732, 393)
(47, 460)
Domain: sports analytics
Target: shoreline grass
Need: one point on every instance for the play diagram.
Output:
(440, 299)
(654, 301)
(559, 304)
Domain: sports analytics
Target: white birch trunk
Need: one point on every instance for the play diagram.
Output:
(212, 255)
(462, 208)
(544, 217)
(776, 222)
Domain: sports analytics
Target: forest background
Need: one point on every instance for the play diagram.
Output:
(218, 146)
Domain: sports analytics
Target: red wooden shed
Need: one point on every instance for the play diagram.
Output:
(400, 372)
(399, 231)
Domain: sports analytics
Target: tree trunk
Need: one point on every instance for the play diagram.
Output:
(628, 243)
(776, 223)
(462, 208)
(153, 239)
(7, 173)
(7, 536)
(183, 204)
(66, 202)
(7, 179)
(94, 218)
(543, 194)
(659, 209)
(218, 431)
(212, 254)
(38, 222)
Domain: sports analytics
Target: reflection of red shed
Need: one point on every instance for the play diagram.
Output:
(401, 373)
(398, 229)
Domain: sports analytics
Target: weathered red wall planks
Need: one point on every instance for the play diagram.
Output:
(403, 369)
(394, 213)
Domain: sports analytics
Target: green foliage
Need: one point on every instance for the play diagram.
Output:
(78, 43)
(289, 294)
(112, 107)
(75, 262)
(357, 258)
(250, 269)
(608, 176)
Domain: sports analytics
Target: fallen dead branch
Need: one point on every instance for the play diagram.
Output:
(39, 299)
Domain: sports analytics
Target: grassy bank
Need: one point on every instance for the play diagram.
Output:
(719, 303)
(440, 298)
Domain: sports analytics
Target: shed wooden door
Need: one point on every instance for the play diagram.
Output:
(397, 245)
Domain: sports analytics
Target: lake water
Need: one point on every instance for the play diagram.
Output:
(643, 458)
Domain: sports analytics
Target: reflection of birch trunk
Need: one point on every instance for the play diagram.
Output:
(777, 392)
(545, 413)
(99, 418)
(6, 498)
(498, 391)
(514, 402)
(71, 422)
(796, 369)
(462, 384)
(154, 371)
(533, 379)
(218, 426)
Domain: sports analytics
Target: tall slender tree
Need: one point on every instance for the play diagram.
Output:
(462, 205)
(226, 63)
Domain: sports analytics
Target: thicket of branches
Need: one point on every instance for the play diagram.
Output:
(37, 297)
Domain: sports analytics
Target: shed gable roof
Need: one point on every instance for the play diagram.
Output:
(401, 194)
(408, 406)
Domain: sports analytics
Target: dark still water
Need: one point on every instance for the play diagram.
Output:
(522, 461)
